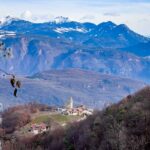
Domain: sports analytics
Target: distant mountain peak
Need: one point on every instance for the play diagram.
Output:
(123, 26)
(60, 19)
(7, 20)
(107, 25)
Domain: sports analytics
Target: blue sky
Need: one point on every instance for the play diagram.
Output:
(134, 13)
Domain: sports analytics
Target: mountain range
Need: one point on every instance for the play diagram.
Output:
(106, 48)
(96, 64)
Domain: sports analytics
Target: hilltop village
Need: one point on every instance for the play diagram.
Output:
(78, 112)
(69, 109)
(33, 119)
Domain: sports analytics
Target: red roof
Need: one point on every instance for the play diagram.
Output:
(37, 126)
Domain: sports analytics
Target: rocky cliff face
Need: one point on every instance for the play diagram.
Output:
(32, 54)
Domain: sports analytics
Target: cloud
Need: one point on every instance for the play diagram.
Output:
(42, 18)
(112, 14)
(88, 18)
(27, 15)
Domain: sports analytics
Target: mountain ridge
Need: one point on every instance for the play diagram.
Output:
(54, 87)
(68, 44)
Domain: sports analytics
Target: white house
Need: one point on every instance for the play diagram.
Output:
(38, 128)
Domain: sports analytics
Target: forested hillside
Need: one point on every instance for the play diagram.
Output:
(122, 126)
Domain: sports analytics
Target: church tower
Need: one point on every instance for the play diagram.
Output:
(69, 104)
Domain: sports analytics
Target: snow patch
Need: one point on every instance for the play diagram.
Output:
(6, 33)
(63, 30)
(60, 19)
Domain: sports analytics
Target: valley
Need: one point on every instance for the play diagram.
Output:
(74, 75)
(54, 87)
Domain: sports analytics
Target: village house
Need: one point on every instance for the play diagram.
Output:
(38, 128)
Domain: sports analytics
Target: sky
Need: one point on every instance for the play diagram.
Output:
(134, 13)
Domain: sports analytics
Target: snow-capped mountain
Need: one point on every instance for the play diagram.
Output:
(60, 19)
(119, 35)
(7, 20)
(107, 47)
